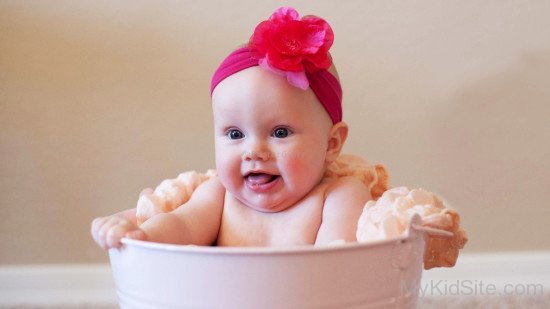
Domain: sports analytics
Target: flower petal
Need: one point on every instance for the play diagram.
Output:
(319, 22)
(314, 39)
(285, 62)
(264, 64)
(283, 14)
(319, 61)
(298, 79)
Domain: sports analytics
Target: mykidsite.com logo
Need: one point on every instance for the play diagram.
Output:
(469, 287)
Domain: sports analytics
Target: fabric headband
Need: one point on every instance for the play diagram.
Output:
(313, 60)
(325, 86)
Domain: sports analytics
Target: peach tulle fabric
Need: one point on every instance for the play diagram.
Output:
(375, 177)
(390, 215)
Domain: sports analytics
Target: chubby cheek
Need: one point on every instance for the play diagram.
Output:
(305, 164)
(228, 168)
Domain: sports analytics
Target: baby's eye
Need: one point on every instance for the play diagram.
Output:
(281, 133)
(234, 134)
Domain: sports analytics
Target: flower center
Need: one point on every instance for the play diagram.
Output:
(293, 45)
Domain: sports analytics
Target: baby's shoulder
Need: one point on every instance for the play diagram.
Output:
(344, 185)
(345, 193)
(343, 204)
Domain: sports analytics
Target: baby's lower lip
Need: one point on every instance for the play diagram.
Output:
(262, 187)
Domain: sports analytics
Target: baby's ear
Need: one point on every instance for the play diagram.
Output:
(337, 138)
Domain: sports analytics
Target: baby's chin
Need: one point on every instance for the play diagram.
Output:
(267, 204)
(267, 207)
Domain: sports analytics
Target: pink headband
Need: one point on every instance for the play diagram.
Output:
(304, 66)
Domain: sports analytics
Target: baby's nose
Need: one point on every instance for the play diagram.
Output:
(256, 151)
(255, 155)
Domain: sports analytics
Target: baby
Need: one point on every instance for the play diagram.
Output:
(277, 127)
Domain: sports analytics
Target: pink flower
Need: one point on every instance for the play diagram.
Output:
(291, 46)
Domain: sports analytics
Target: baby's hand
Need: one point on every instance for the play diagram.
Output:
(107, 231)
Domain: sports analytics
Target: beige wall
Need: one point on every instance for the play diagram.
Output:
(99, 99)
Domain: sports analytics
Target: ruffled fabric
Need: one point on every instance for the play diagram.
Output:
(375, 177)
(390, 215)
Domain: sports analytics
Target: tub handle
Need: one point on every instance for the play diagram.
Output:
(432, 231)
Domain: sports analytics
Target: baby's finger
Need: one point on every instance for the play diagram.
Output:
(97, 223)
(104, 226)
(96, 227)
(137, 234)
(104, 230)
(115, 234)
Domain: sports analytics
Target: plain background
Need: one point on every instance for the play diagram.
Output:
(99, 99)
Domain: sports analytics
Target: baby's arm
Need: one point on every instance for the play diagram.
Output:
(196, 222)
(107, 231)
(343, 206)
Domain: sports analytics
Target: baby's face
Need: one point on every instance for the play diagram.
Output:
(271, 139)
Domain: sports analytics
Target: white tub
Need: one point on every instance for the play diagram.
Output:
(382, 274)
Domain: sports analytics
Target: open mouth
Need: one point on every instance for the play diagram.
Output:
(260, 181)
(260, 178)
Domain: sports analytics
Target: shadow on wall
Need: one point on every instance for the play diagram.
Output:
(498, 133)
